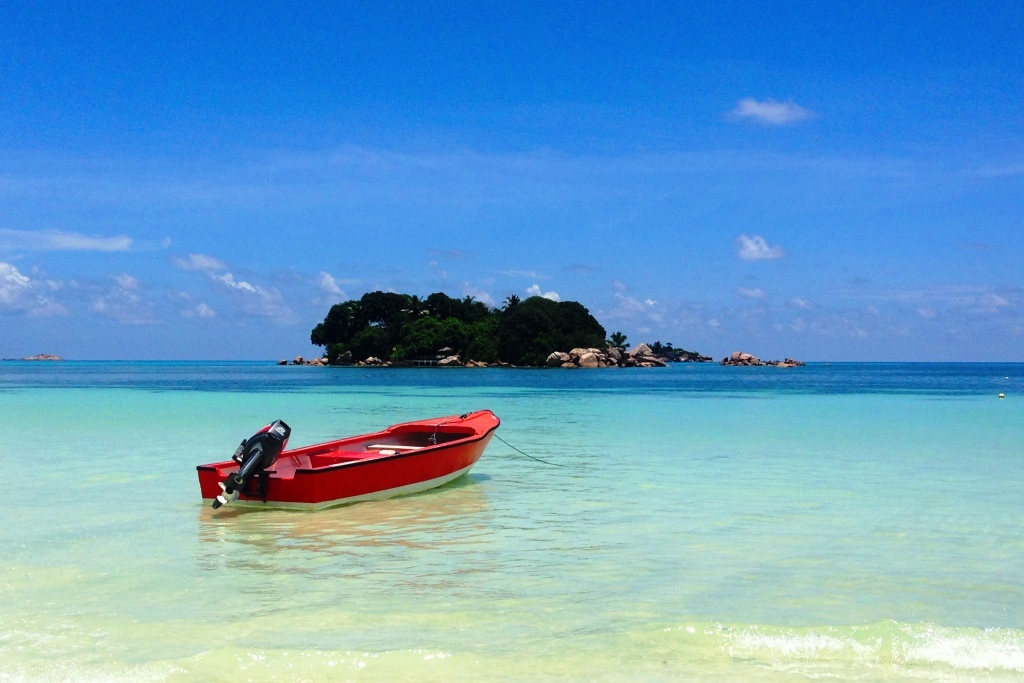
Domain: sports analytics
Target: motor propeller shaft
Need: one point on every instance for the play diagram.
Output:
(254, 456)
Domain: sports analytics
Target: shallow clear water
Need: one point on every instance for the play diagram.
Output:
(851, 521)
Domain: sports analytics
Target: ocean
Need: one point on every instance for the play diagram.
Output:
(851, 522)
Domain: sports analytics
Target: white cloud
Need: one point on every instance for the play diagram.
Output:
(755, 248)
(21, 294)
(200, 310)
(991, 303)
(770, 112)
(53, 240)
(631, 312)
(535, 291)
(480, 295)
(229, 280)
(124, 302)
(529, 274)
(126, 281)
(13, 282)
(328, 284)
(200, 262)
(926, 312)
(800, 302)
(252, 298)
(257, 300)
(753, 293)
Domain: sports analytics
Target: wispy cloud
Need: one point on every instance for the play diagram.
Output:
(251, 298)
(535, 291)
(448, 253)
(632, 313)
(481, 295)
(800, 302)
(751, 293)
(755, 248)
(53, 240)
(962, 296)
(326, 282)
(528, 274)
(990, 302)
(1006, 170)
(200, 262)
(20, 293)
(770, 112)
(124, 302)
(200, 310)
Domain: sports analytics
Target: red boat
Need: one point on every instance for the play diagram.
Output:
(402, 459)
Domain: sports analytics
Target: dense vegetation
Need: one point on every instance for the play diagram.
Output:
(404, 327)
(670, 352)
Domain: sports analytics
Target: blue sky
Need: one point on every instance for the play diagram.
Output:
(821, 181)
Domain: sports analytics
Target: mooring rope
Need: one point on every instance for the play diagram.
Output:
(553, 464)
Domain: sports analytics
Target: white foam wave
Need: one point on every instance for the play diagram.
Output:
(986, 649)
(902, 646)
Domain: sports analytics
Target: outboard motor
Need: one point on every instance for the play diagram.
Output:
(253, 456)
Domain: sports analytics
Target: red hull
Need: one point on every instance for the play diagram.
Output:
(402, 459)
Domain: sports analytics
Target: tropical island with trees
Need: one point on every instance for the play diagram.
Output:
(404, 329)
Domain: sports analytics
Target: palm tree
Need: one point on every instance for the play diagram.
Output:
(617, 340)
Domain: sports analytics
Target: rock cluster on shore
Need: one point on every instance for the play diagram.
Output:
(641, 356)
(611, 357)
(299, 360)
(738, 358)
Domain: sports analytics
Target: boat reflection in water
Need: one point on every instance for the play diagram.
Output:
(448, 517)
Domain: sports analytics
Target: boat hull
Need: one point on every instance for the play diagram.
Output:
(368, 467)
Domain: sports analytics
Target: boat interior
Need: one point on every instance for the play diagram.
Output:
(401, 439)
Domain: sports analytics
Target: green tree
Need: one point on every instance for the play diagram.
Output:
(400, 327)
(530, 331)
(371, 341)
(423, 338)
(340, 325)
(617, 339)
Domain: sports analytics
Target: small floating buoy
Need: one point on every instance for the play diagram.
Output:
(1002, 395)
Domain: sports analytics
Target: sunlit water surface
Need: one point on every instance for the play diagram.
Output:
(847, 522)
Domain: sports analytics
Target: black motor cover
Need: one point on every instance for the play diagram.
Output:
(253, 456)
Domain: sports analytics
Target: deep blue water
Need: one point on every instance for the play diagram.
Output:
(940, 379)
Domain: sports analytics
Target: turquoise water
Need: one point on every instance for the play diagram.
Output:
(847, 522)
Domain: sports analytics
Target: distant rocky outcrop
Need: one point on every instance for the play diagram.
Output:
(299, 360)
(43, 356)
(642, 356)
(611, 357)
(692, 358)
(739, 358)
(641, 349)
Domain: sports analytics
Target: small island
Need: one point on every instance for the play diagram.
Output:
(388, 329)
